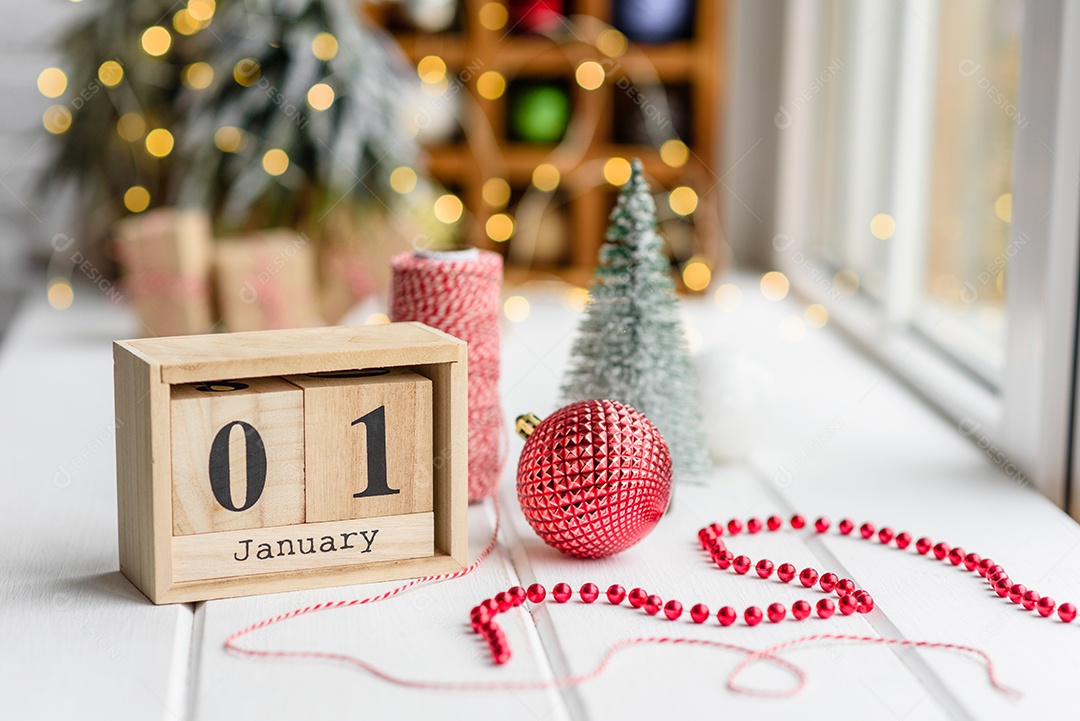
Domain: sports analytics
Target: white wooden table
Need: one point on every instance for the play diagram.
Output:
(78, 641)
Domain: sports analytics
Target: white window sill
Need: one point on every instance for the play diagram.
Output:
(844, 438)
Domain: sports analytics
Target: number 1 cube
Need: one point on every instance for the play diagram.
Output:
(368, 443)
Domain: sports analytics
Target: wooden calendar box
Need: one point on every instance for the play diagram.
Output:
(281, 460)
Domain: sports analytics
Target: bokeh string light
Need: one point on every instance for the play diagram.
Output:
(496, 221)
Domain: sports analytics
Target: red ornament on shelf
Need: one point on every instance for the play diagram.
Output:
(594, 478)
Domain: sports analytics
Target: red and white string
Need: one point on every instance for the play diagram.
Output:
(752, 656)
(462, 298)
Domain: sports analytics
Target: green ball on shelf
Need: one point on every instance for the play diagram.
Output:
(540, 113)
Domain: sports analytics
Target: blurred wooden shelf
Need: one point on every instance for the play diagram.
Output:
(694, 66)
(573, 275)
(450, 48)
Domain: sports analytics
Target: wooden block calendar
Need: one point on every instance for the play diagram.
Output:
(281, 460)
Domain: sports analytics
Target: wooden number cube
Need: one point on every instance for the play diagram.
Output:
(368, 448)
(238, 455)
(314, 465)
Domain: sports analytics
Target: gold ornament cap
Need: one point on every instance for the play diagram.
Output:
(525, 424)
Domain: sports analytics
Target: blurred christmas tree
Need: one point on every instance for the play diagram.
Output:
(631, 346)
(278, 110)
(305, 111)
(115, 122)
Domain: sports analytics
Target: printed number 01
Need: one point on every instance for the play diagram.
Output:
(255, 456)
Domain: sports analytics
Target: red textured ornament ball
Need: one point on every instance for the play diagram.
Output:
(594, 478)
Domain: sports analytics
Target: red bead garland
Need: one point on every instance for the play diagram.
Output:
(825, 608)
(850, 598)
(800, 610)
(589, 592)
(786, 572)
(561, 592)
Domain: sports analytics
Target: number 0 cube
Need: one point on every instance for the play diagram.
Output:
(237, 455)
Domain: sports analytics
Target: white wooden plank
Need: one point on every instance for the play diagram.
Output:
(850, 440)
(421, 634)
(78, 637)
(79, 640)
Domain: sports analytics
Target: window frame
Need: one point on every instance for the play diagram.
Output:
(1025, 425)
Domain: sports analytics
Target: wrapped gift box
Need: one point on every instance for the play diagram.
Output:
(166, 255)
(354, 256)
(267, 281)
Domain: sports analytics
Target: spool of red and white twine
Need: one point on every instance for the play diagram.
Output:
(458, 293)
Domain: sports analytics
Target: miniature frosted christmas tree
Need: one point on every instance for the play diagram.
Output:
(631, 346)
